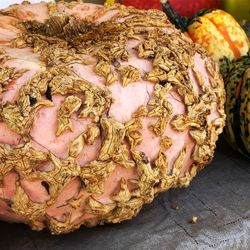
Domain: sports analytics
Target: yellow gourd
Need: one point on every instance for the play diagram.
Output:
(219, 33)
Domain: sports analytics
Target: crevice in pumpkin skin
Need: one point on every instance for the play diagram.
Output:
(148, 98)
(174, 97)
(236, 127)
(32, 138)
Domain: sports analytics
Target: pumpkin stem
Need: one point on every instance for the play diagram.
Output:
(179, 21)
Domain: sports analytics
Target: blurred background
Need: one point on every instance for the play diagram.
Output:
(238, 8)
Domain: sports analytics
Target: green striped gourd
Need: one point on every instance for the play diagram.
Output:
(236, 76)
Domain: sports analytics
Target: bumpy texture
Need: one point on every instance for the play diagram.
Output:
(101, 109)
(236, 76)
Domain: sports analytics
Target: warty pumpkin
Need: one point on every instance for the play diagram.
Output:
(101, 108)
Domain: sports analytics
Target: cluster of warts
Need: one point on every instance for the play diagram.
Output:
(61, 41)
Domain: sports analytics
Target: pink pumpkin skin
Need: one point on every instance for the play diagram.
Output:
(44, 126)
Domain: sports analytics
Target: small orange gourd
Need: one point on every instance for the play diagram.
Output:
(219, 33)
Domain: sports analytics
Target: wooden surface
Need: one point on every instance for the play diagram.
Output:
(219, 196)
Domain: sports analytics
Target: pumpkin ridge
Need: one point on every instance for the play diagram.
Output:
(199, 14)
(244, 110)
(237, 129)
(238, 88)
